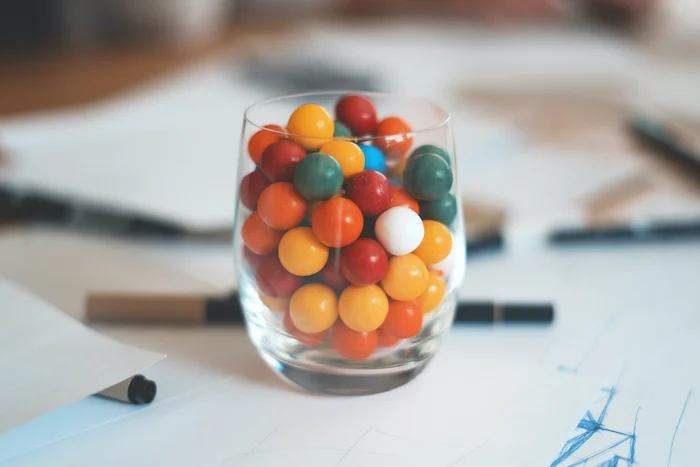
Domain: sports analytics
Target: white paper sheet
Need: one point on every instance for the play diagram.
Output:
(49, 360)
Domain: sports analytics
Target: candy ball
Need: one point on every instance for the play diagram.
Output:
(275, 304)
(433, 294)
(431, 149)
(358, 113)
(405, 319)
(427, 177)
(402, 198)
(301, 253)
(348, 154)
(396, 136)
(363, 309)
(337, 222)
(313, 308)
(445, 266)
(274, 280)
(252, 186)
(386, 340)
(318, 176)
(330, 274)
(406, 277)
(371, 191)
(311, 126)
(341, 131)
(436, 244)
(374, 159)
(253, 259)
(280, 159)
(258, 236)
(351, 344)
(262, 139)
(399, 230)
(443, 209)
(281, 206)
(363, 262)
(306, 338)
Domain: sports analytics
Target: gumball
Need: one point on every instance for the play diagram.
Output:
(402, 198)
(406, 277)
(259, 237)
(280, 159)
(275, 304)
(274, 280)
(330, 274)
(363, 308)
(371, 191)
(337, 222)
(427, 177)
(351, 344)
(443, 209)
(262, 139)
(340, 130)
(318, 176)
(431, 149)
(405, 319)
(313, 308)
(251, 186)
(399, 230)
(358, 113)
(311, 126)
(433, 294)
(386, 340)
(374, 159)
(301, 253)
(313, 205)
(363, 262)
(253, 259)
(281, 206)
(436, 244)
(348, 154)
(396, 136)
(445, 266)
(306, 338)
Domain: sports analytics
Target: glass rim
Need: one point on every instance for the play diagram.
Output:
(370, 94)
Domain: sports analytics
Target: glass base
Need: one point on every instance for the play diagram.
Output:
(345, 384)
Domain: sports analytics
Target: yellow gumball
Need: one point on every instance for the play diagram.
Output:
(301, 253)
(432, 297)
(349, 156)
(406, 277)
(274, 304)
(363, 309)
(311, 126)
(436, 244)
(313, 308)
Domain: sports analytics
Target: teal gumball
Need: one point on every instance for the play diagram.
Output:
(443, 209)
(319, 177)
(341, 131)
(431, 149)
(427, 177)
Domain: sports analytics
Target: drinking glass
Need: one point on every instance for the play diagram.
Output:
(299, 262)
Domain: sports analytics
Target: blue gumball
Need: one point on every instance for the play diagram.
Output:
(374, 159)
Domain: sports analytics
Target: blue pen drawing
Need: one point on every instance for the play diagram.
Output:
(678, 425)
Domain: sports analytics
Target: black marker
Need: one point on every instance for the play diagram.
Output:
(135, 390)
(491, 312)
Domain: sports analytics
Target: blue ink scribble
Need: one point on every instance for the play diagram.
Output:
(673, 438)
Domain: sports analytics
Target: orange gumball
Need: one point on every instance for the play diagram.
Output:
(337, 222)
(396, 137)
(405, 318)
(259, 237)
(351, 344)
(432, 297)
(262, 139)
(402, 198)
(386, 340)
(281, 206)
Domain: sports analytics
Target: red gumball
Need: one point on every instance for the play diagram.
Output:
(280, 159)
(352, 344)
(364, 262)
(274, 281)
(386, 340)
(357, 113)
(331, 275)
(253, 259)
(371, 191)
(251, 186)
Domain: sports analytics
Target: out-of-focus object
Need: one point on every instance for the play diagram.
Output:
(674, 29)
(135, 390)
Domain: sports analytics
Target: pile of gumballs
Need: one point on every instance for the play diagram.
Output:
(349, 225)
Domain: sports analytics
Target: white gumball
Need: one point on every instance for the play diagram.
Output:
(399, 230)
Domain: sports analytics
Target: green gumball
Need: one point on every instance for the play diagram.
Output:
(442, 209)
(318, 177)
(341, 131)
(431, 149)
(427, 177)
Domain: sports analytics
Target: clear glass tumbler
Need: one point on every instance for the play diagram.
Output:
(349, 238)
